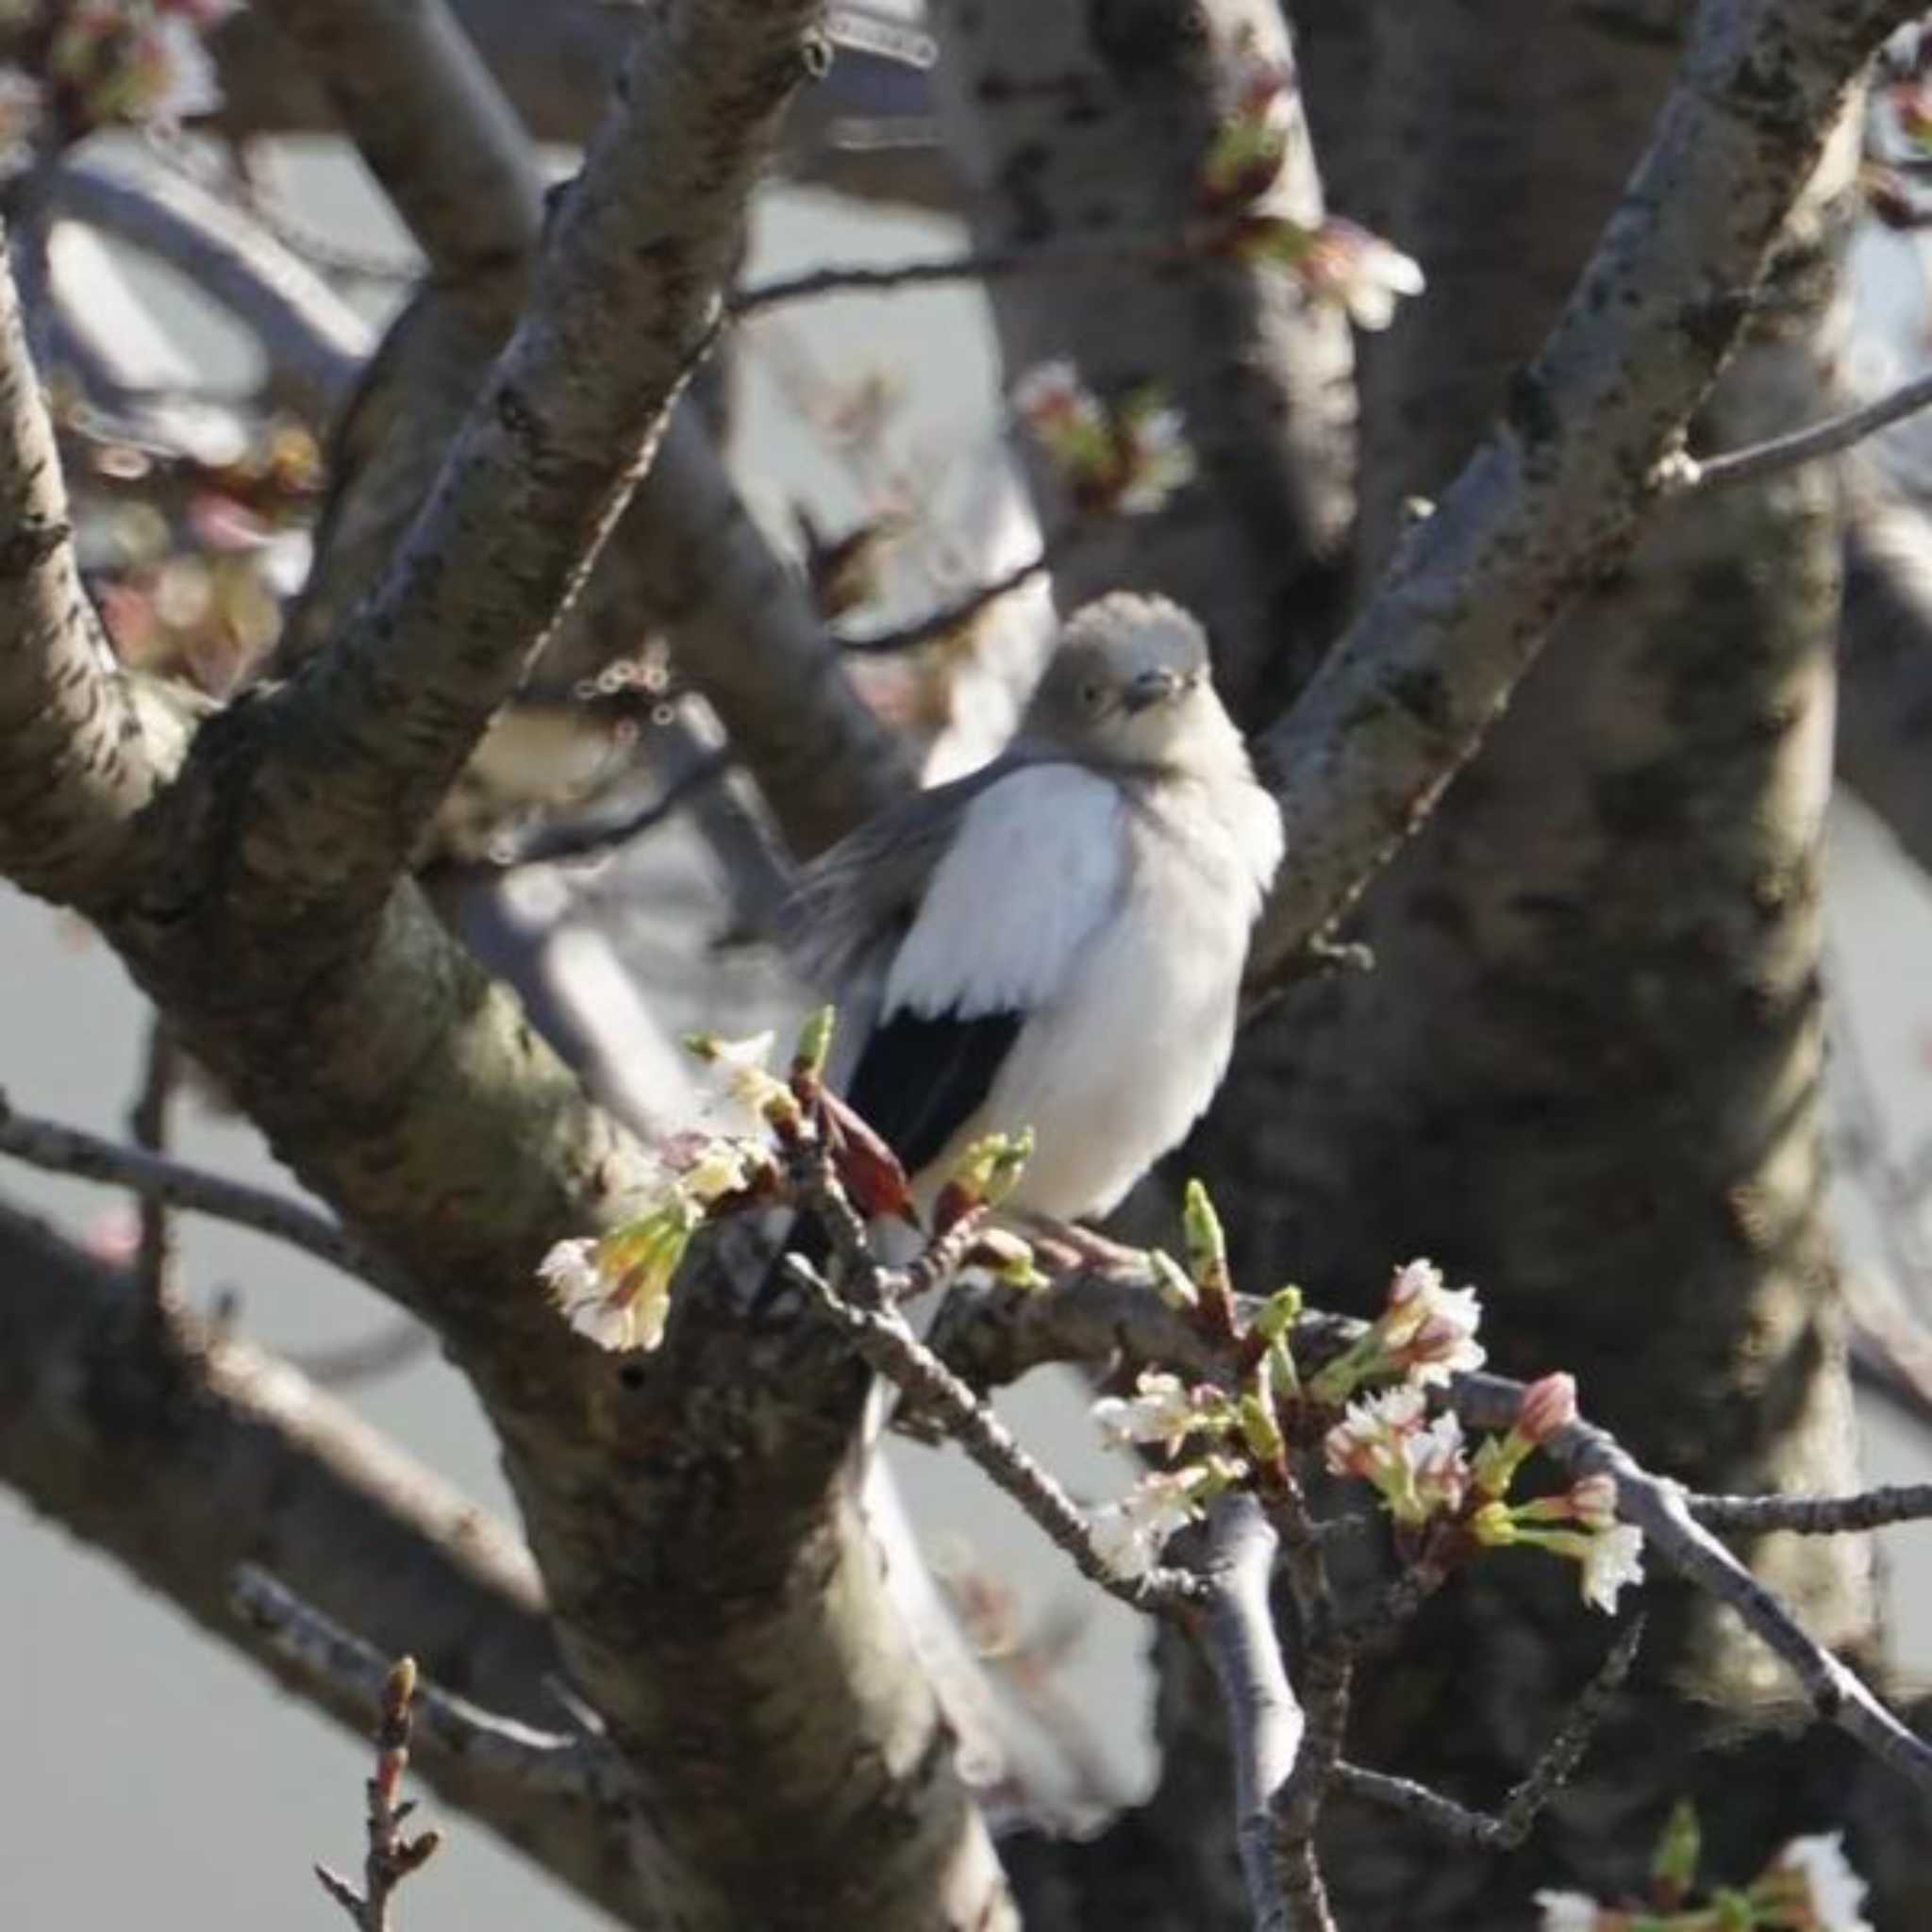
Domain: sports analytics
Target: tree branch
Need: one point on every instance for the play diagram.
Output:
(314, 343)
(183, 1464)
(1555, 495)
(352, 758)
(1829, 438)
(74, 766)
(687, 555)
(1264, 1716)
(866, 131)
(154, 1177)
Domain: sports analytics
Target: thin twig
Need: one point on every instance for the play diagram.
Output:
(949, 617)
(1815, 1515)
(147, 1122)
(390, 1858)
(69, 1150)
(351, 1364)
(883, 1337)
(597, 837)
(1836, 433)
(982, 265)
(1509, 1827)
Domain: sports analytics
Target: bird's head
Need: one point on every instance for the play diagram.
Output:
(1130, 683)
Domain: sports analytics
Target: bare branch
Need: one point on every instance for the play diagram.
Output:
(688, 555)
(950, 617)
(1826, 438)
(314, 343)
(1555, 495)
(1510, 1825)
(147, 1123)
(360, 748)
(1265, 1718)
(882, 1336)
(154, 1177)
(981, 264)
(1814, 1515)
(182, 1463)
(430, 119)
(865, 130)
(75, 767)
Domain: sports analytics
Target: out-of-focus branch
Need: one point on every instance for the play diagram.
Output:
(75, 767)
(182, 1464)
(314, 342)
(1885, 667)
(519, 1755)
(154, 1178)
(430, 119)
(865, 130)
(147, 1123)
(1555, 495)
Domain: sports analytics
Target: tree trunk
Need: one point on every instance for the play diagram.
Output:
(1584, 1071)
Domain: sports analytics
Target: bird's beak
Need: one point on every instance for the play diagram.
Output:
(1152, 688)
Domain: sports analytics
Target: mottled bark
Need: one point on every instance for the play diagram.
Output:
(1584, 1071)
(686, 556)
(77, 766)
(184, 1458)
(1077, 125)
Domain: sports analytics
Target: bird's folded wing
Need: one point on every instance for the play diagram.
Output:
(859, 897)
(1035, 867)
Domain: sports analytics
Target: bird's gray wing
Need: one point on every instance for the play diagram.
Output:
(856, 900)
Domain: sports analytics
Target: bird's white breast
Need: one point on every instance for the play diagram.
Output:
(1116, 916)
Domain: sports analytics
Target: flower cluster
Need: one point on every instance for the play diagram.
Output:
(191, 553)
(616, 1288)
(1119, 458)
(1424, 1334)
(1128, 1535)
(1808, 1887)
(78, 65)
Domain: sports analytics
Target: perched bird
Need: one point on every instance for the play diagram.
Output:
(1057, 939)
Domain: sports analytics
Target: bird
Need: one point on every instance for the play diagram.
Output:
(1056, 940)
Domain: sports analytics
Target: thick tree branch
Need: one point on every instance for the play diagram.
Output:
(687, 555)
(75, 767)
(351, 760)
(1554, 497)
(1265, 1718)
(866, 133)
(183, 1465)
(430, 119)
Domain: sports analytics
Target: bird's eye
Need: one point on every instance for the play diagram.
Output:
(1089, 696)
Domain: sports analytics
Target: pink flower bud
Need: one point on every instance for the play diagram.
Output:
(1548, 1406)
